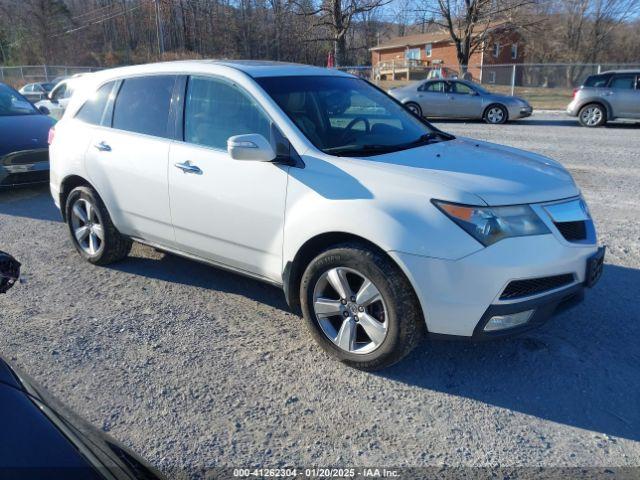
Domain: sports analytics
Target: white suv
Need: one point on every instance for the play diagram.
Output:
(378, 226)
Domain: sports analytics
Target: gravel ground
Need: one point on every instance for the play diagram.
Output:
(196, 368)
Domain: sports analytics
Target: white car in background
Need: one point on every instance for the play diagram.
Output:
(378, 226)
(56, 102)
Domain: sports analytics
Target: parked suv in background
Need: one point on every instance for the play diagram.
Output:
(377, 225)
(607, 96)
(56, 102)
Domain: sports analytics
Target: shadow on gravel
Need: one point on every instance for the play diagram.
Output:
(581, 369)
(174, 269)
(29, 202)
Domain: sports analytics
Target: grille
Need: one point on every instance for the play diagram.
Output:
(573, 231)
(533, 286)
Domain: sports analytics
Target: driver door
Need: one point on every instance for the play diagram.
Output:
(223, 210)
(466, 102)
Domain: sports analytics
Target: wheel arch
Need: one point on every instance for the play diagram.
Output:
(295, 268)
(66, 186)
(601, 102)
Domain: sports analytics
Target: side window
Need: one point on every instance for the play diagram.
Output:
(143, 103)
(28, 88)
(462, 88)
(623, 82)
(93, 110)
(59, 92)
(436, 87)
(216, 109)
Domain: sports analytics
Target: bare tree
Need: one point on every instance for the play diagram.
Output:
(469, 22)
(336, 16)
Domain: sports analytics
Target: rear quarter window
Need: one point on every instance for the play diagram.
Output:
(93, 110)
(597, 81)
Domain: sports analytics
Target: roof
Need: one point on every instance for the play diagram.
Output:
(253, 68)
(432, 37)
(413, 40)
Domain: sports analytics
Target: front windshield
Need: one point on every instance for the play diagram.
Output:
(347, 116)
(477, 87)
(12, 103)
(48, 86)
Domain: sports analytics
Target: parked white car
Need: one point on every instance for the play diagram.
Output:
(378, 226)
(56, 102)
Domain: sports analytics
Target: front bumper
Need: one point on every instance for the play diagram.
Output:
(24, 168)
(516, 112)
(459, 296)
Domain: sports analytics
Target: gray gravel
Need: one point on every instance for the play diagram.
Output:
(194, 367)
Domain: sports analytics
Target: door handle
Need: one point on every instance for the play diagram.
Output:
(102, 147)
(188, 167)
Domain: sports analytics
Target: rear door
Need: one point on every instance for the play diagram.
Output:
(127, 158)
(623, 95)
(434, 99)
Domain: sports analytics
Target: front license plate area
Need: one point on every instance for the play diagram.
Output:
(595, 265)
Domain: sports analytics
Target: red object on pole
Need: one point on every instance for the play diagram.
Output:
(330, 61)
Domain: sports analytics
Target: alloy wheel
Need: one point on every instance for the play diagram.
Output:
(495, 115)
(350, 310)
(591, 116)
(87, 227)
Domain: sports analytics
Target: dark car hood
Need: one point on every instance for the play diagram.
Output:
(24, 132)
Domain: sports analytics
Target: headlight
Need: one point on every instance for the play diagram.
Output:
(489, 225)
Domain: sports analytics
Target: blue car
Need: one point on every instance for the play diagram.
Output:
(24, 130)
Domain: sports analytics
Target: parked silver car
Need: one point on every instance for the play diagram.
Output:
(606, 96)
(444, 98)
(35, 92)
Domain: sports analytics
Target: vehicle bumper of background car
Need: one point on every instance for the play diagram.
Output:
(459, 297)
(24, 168)
(519, 111)
(573, 109)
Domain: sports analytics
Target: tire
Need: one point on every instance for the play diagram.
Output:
(496, 114)
(394, 316)
(414, 108)
(592, 115)
(100, 243)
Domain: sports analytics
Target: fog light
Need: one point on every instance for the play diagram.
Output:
(500, 322)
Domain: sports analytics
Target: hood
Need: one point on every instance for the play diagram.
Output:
(23, 132)
(497, 174)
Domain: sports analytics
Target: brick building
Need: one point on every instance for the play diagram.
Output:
(412, 57)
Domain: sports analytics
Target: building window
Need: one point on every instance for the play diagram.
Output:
(428, 49)
(514, 51)
(496, 49)
(412, 54)
(492, 76)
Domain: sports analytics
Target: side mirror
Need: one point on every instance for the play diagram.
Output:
(252, 146)
(44, 110)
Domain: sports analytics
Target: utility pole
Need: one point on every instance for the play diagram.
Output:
(159, 29)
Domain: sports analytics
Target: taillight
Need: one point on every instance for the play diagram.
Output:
(575, 91)
(52, 134)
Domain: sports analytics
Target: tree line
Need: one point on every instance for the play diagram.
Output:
(115, 32)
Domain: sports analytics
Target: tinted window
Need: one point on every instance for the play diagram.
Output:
(216, 110)
(437, 87)
(143, 105)
(624, 82)
(94, 108)
(59, 92)
(597, 81)
(462, 88)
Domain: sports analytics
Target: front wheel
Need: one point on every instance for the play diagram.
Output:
(92, 232)
(496, 114)
(360, 307)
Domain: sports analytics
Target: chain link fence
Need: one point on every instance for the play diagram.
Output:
(544, 85)
(22, 74)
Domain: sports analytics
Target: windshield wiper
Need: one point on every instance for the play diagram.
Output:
(365, 150)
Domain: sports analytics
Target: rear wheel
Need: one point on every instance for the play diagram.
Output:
(92, 232)
(592, 115)
(360, 307)
(496, 114)
(414, 108)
